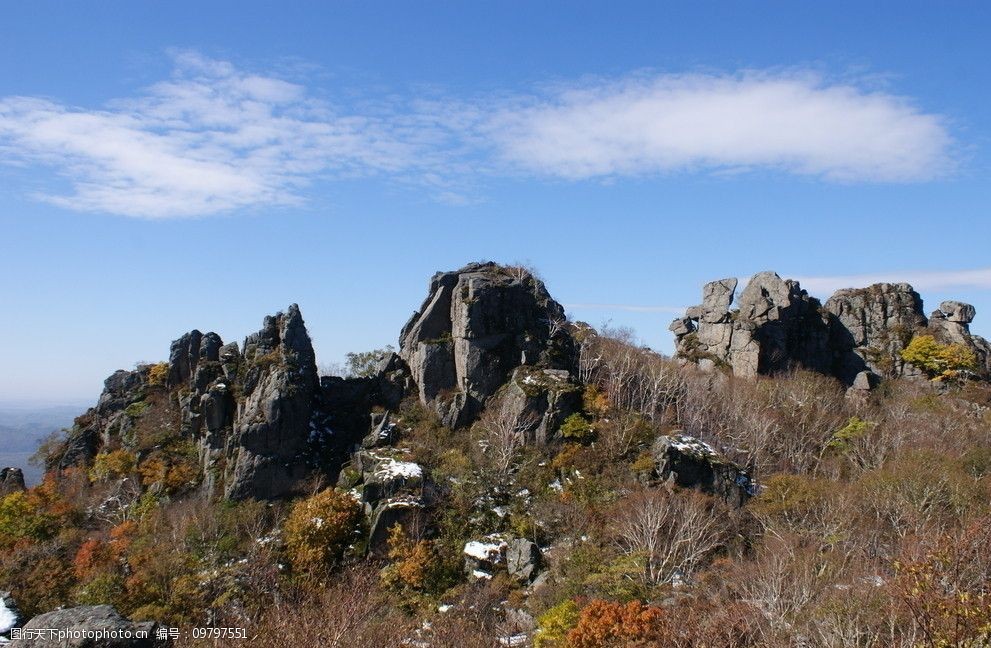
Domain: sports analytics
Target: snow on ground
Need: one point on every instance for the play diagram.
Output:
(391, 468)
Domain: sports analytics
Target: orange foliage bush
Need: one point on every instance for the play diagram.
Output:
(604, 623)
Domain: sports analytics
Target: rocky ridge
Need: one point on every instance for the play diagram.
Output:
(856, 336)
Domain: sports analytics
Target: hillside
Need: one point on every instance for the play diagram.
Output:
(800, 473)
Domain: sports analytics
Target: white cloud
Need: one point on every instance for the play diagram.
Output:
(210, 139)
(215, 138)
(794, 122)
(979, 279)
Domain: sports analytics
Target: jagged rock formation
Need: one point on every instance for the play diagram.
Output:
(857, 335)
(476, 326)
(691, 463)
(87, 626)
(11, 481)
(950, 324)
(776, 323)
(869, 327)
(267, 454)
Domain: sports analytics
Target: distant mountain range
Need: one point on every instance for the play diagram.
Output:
(22, 428)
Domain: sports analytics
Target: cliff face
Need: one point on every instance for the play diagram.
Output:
(777, 325)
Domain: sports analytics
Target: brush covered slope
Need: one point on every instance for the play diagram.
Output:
(799, 474)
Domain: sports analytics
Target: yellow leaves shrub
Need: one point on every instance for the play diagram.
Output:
(112, 465)
(939, 361)
(158, 373)
(319, 530)
(554, 625)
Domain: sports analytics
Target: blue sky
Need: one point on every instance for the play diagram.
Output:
(165, 166)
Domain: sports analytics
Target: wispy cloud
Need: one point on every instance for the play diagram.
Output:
(979, 279)
(795, 122)
(210, 139)
(635, 308)
(214, 138)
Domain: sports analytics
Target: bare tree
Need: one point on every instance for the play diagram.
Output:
(672, 534)
(504, 430)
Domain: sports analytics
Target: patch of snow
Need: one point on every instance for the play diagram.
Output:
(556, 485)
(501, 511)
(478, 573)
(490, 551)
(391, 468)
(445, 607)
(513, 640)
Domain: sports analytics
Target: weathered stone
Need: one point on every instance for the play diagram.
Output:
(476, 326)
(542, 397)
(870, 327)
(88, 626)
(958, 311)
(183, 356)
(408, 512)
(716, 299)
(11, 481)
(694, 464)
(522, 559)
(267, 453)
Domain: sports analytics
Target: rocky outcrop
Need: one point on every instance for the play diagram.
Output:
(775, 325)
(869, 327)
(476, 326)
(391, 490)
(950, 324)
(86, 626)
(542, 398)
(11, 481)
(266, 456)
(691, 463)
(857, 335)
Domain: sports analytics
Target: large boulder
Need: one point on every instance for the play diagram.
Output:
(267, 455)
(951, 325)
(541, 399)
(86, 626)
(476, 326)
(691, 463)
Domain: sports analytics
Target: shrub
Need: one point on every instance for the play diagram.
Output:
(319, 529)
(21, 519)
(416, 564)
(158, 373)
(112, 465)
(576, 428)
(939, 361)
(604, 623)
(554, 625)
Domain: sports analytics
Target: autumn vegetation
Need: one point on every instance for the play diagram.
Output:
(872, 527)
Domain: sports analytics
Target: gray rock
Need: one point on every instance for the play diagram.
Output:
(522, 559)
(11, 481)
(776, 327)
(88, 626)
(407, 512)
(267, 453)
(958, 311)
(716, 299)
(691, 463)
(544, 396)
(183, 356)
(870, 327)
(476, 326)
